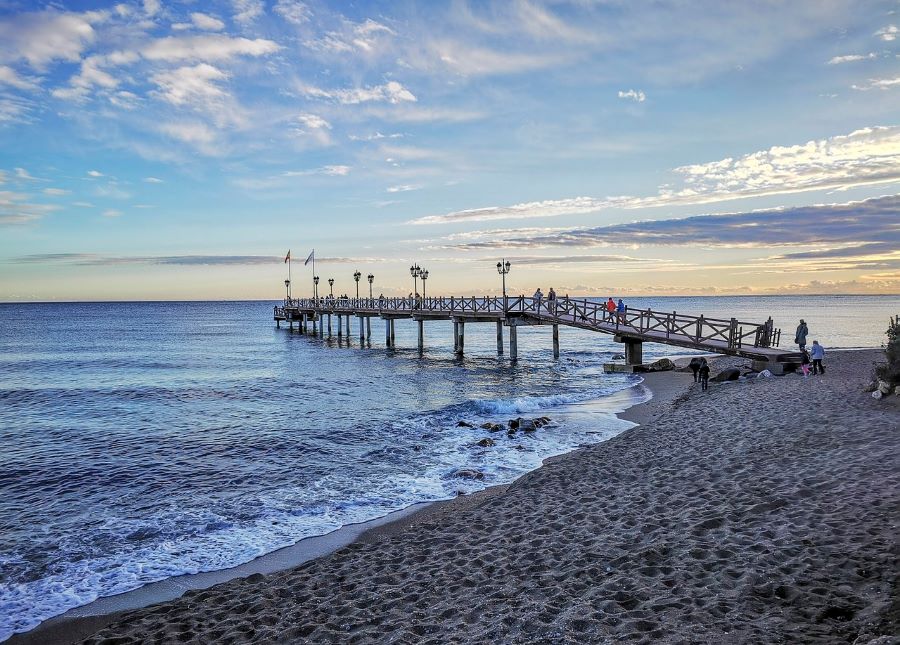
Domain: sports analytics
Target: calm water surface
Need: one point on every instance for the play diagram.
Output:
(145, 440)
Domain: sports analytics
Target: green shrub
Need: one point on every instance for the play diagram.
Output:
(890, 371)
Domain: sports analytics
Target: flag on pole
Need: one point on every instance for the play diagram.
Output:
(310, 257)
(287, 257)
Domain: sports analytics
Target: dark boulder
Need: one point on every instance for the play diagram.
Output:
(469, 473)
(492, 427)
(464, 424)
(662, 365)
(486, 443)
(527, 425)
(618, 357)
(514, 423)
(728, 374)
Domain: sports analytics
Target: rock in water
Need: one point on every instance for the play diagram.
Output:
(884, 387)
(464, 424)
(469, 473)
(486, 443)
(514, 423)
(730, 374)
(527, 425)
(618, 357)
(492, 427)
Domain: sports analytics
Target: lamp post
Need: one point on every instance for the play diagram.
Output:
(503, 269)
(331, 287)
(316, 287)
(287, 290)
(371, 279)
(356, 276)
(424, 275)
(414, 271)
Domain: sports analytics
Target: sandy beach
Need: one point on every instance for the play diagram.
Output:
(761, 511)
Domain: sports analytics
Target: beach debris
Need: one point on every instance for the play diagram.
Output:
(662, 365)
(492, 427)
(464, 424)
(729, 374)
(877, 394)
(469, 473)
(764, 374)
(486, 443)
(884, 387)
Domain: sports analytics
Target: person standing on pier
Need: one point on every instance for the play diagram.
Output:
(620, 310)
(610, 308)
(551, 301)
(538, 296)
(802, 333)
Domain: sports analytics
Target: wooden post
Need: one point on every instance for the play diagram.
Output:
(387, 332)
(455, 335)
(461, 342)
(368, 327)
(513, 343)
(633, 352)
(732, 333)
(362, 331)
(278, 323)
(499, 338)
(340, 329)
(329, 325)
(393, 338)
(348, 326)
(303, 324)
(699, 327)
(555, 340)
(421, 335)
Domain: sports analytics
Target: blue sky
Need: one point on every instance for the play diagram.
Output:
(155, 150)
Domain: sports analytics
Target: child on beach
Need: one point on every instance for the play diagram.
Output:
(704, 374)
(804, 362)
(818, 355)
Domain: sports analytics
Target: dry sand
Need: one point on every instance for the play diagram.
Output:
(762, 511)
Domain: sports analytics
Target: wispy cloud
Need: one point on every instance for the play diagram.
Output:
(403, 188)
(390, 92)
(879, 84)
(17, 208)
(637, 96)
(853, 224)
(863, 157)
(851, 58)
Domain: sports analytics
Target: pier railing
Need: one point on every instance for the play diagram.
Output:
(651, 325)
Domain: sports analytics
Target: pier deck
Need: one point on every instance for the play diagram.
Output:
(756, 341)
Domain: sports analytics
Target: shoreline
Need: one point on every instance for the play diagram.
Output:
(80, 622)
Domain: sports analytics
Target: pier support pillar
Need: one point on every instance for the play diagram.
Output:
(634, 354)
(291, 324)
(303, 323)
(455, 336)
(348, 326)
(555, 341)
(387, 332)
(499, 338)
(513, 343)
(421, 335)
(368, 327)
(362, 331)
(340, 331)
(461, 339)
(393, 338)
(329, 325)
(278, 324)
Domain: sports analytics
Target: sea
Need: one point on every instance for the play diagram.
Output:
(145, 440)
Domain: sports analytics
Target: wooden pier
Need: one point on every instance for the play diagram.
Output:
(633, 327)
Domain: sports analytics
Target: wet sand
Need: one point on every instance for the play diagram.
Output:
(760, 511)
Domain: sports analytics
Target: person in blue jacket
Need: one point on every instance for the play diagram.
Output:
(818, 355)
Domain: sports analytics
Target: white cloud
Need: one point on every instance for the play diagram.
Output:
(391, 92)
(369, 38)
(313, 121)
(152, 7)
(247, 11)
(888, 33)
(863, 157)
(14, 109)
(209, 47)
(878, 84)
(850, 58)
(293, 11)
(8, 76)
(194, 133)
(152, 180)
(16, 209)
(404, 188)
(24, 175)
(635, 95)
(56, 192)
(112, 212)
(207, 22)
(42, 37)
(125, 100)
(191, 85)
(94, 173)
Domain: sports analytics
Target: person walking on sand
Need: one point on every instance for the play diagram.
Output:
(695, 364)
(704, 374)
(610, 308)
(802, 333)
(818, 355)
